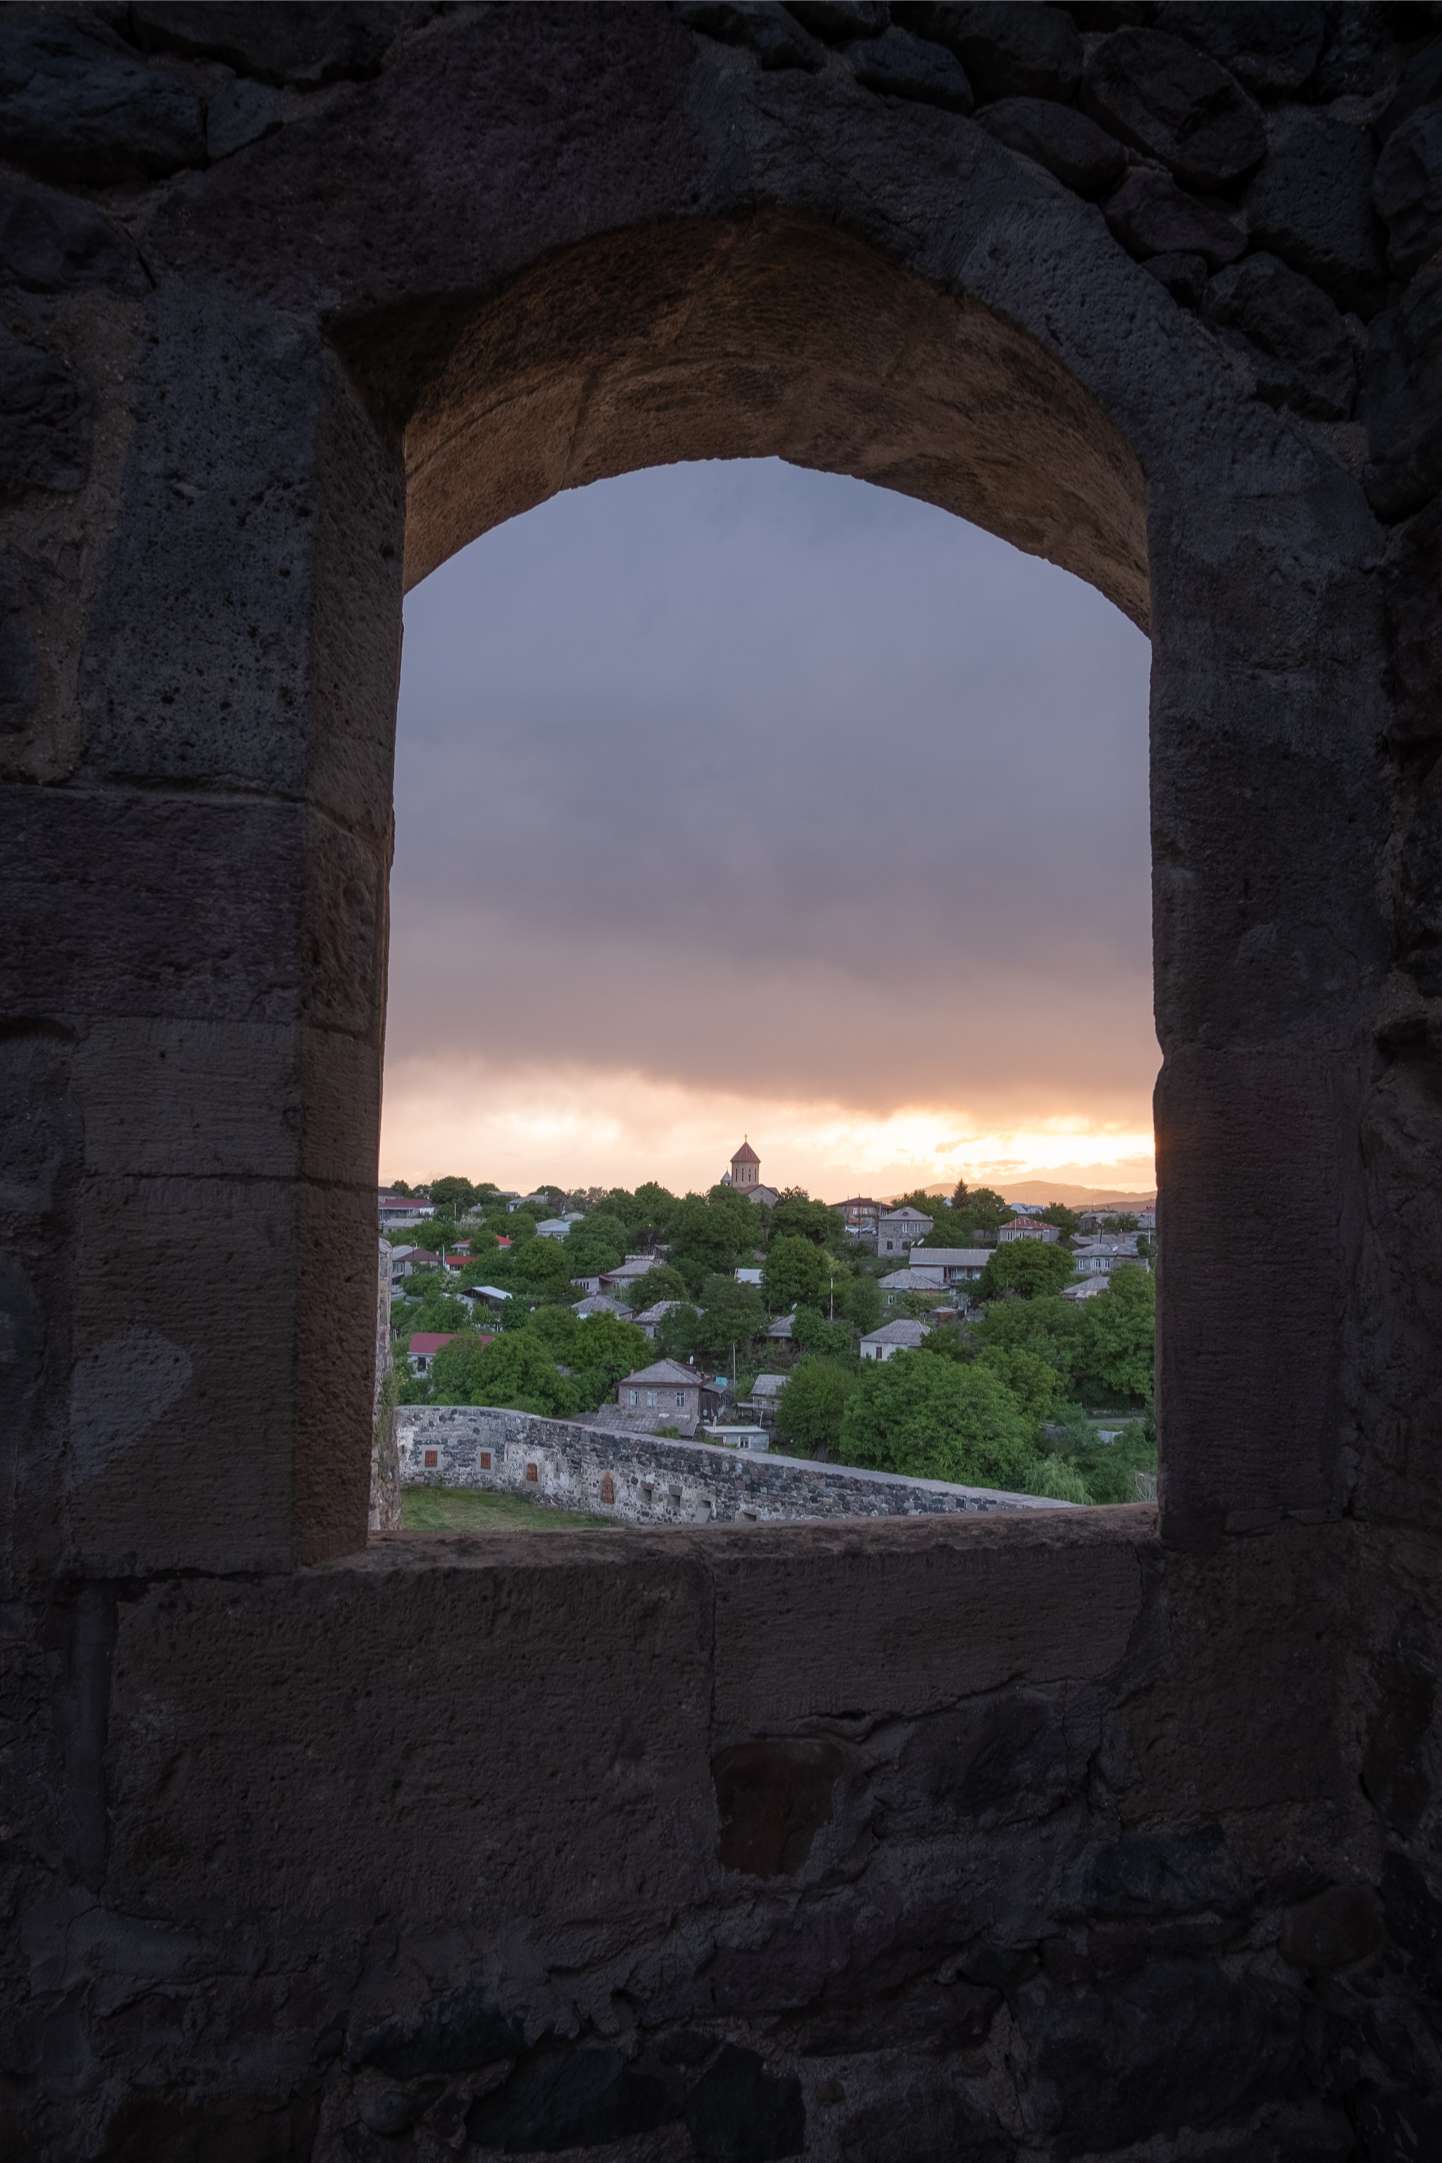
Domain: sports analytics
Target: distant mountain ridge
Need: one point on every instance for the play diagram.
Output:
(1045, 1190)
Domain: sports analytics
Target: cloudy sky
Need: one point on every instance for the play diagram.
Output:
(733, 798)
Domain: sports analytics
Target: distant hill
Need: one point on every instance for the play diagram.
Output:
(1047, 1190)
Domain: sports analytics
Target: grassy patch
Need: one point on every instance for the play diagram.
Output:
(469, 1509)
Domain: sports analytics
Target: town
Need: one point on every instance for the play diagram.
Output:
(943, 1337)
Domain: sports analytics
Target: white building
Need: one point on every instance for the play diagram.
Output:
(957, 1265)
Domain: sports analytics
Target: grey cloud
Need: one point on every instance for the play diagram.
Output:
(748, 776)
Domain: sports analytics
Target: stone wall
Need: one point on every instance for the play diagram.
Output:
(1052, 1834)
(644, 1480)
(384, 1514)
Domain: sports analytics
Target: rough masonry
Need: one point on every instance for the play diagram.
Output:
(641, 1479)
(1084, 1834)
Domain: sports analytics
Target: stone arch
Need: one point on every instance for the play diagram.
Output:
(530, 279)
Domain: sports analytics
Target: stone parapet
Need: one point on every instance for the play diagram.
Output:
(648, 1480)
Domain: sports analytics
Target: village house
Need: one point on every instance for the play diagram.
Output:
(748, 1275)
(783, 1329)
(403, 1262)
(601, 1303)
(766, 1395)
(556, 1227)
(485, 1295)
(899, 1229)
(860, 1215)
(1087, 1287)
(894, 1337)
(650, 1318)
(956, 1264)
(666, 1394)
(424, 1346)
(619, 1280)
(398, 1210)
(906, 1283)
(1099, 1257)
(1027, 1228)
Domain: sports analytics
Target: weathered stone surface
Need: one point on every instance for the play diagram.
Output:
(45, 421)
(1150, 215)
(1059, 137)
(1176, 104)
(1420, 84)
(54, 243)
(1359, 58)
(283, 42)
(771, 32)
(902, 66)
(839, 21)
(772, 1799)
(1335, 1930)
(1295, 337)
(1408, 190)
(1031, 52)
(1184, 276)
(1270, 45)
(238, 114)
(74, 104)
(1402, 398)
(1311, 204)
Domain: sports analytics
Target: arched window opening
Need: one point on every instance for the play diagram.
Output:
(740, 799)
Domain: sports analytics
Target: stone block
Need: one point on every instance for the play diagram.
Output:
(1001, 1597)
(78, 106)
(901, 66)
(1150, 215)
(146, 905)
(45, 421)
(1176, 104)
(1029, 52)
(228, 1099)
(280, 672)
(1272, 46)
(279, 43)
(839, 21)
(1337, 1929)
(428, 1691)
(56, 243)
(1311, 204)
(1402, 399)
(1080, 154)
(1294, 337)
(1408, 190)
(1184, 276)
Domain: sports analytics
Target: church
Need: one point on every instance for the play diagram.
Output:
(745, 1176)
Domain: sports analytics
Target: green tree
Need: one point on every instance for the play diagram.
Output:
(438, 1310)
(603, 1349)
(710, 1234)
(796, 1216)
(961, 1199)
(653, 1211)
(677, 1335)
(515, 1370)
(1057, 1478)
(795, 1273)
(860, 1301)
(1110, 1469)
(1026, 1269)
(1121, 1336)
(731, 1314)
(557, 1328)
(1066, 1220)
(1049, 1325)
(453, 1194)
(1036, 1385)
(661, 1282)
(598, 1243)
(542, 1265)
(986, 1209)
(813, 1404)
(813, 1333)
(436, 1234)
(931, 1419)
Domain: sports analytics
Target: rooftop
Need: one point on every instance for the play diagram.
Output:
(909, 1333)
(667, 1370)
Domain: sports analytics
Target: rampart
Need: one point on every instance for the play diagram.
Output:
(646, 1480)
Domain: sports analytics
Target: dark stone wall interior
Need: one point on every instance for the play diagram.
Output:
(1093, 1835)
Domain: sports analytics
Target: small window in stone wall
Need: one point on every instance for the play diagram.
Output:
(608, 1488)
(431, 1459)
(532, 1473)
(485, 1460)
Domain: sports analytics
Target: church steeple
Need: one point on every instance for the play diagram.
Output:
(745, 1166)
